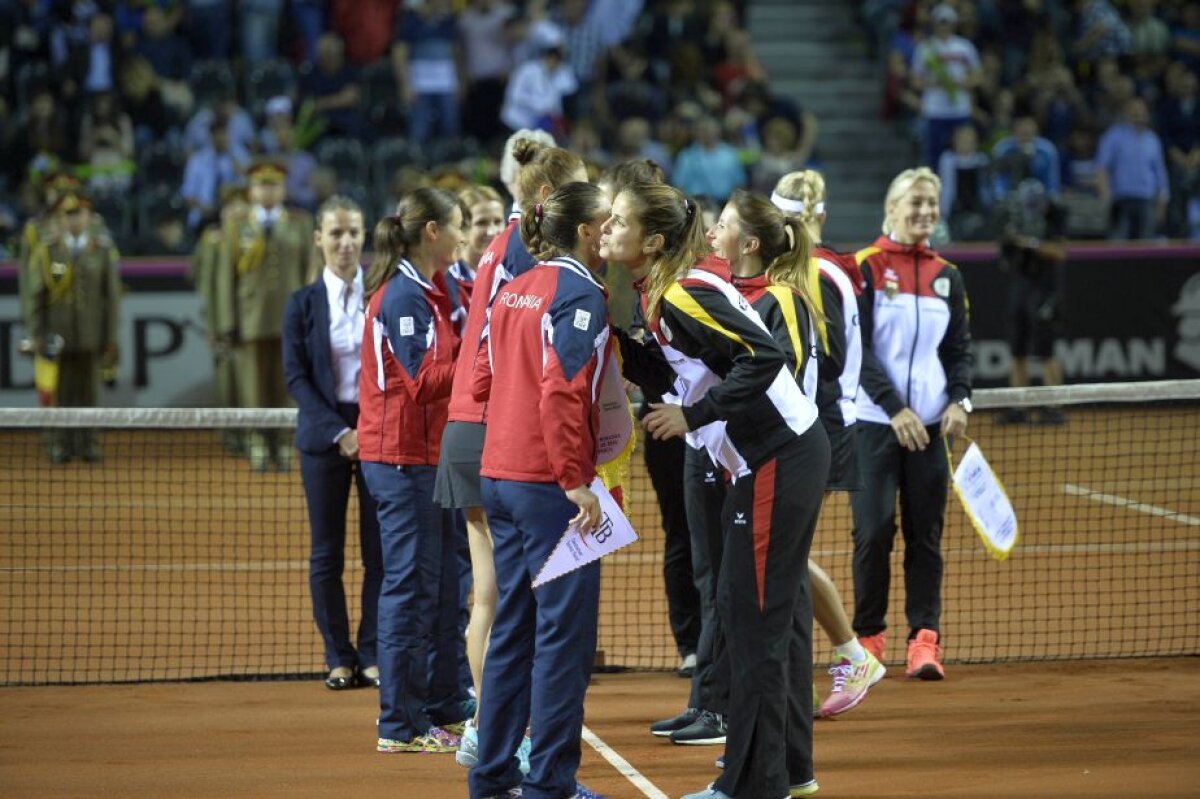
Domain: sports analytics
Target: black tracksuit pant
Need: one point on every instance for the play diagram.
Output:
(704, 490)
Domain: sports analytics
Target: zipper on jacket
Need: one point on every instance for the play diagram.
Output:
(912, 354)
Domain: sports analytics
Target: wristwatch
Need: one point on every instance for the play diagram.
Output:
(965, 404)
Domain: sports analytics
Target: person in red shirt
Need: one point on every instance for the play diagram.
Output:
(540, 169)
(540, 369)
(738, 397)
(404, 389)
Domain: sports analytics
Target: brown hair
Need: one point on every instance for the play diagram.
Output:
(396, 235)
(665, 210)
(542, 166)
(626, 174)
(338, 202)
(808, 187)
(551, 227)
(784, 245)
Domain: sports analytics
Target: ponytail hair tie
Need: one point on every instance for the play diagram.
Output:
(689, 208)
(537, 212)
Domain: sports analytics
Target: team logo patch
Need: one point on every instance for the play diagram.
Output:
(582, 319)
(407, 327)
(891, 283)
(941, 286)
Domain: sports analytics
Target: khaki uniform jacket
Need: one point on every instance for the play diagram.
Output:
(77, 296)
(256, 273)
(202, 273)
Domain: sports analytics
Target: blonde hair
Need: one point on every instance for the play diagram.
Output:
(808, 187)
(902, 184)
(475, 194)
(542, 166)
(508, 164)
(664, 210)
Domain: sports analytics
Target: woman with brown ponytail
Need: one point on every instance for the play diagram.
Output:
(404, 387)
(540, 169)
(541, 367)
(738, 397)
(769, 255)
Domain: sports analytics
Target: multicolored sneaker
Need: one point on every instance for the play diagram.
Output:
(809, 788)
(584, 792)
(875, 644)
(435, 742)
(721, 762)
(925, 657)
(523, 754)
(468, 749)
(850, 684)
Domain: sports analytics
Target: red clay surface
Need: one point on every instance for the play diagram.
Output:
(1095, 729)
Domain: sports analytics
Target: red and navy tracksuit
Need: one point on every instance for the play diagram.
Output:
(504, 259)
(743, 405)
(404, 386)
(539, 370)
(916, 354)
(460, 282)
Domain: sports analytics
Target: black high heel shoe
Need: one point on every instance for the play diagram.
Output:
(340, 679)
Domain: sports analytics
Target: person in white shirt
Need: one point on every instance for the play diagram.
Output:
(322, 343)
(534, 98)
(946, 71)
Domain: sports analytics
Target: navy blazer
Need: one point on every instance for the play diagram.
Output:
(308, 369)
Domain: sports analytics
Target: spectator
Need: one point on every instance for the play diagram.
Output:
(92, 63)
(487, 61)
(965, 198)
(1079, 175)
(635, 143)
(1150, 41)
(1132, 174)
(631, 91)
(900, 100)
(207, 170)
(740, 67)
(709, 167)
(45, 135)
(1025, 154)
(1101, 33)
(237, 120)
(169, 55)
(129, 18)
(1186, 36)
(722, 22)
(106, 145)
(1110, 93)
(424, 56)
(279, 141)
(675, 24)
(618, 17)
(143, 100)
(779, 156)
(260, 29)
(333, 86)
(209, 29)
(367, 27)
(585, 142)
(1059, 106)
(308, 16)
(583, 40)
(1179, 127)
(945, 70)
(168, 234)
(534, 98)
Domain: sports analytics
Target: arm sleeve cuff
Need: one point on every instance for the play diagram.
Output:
(343, 432)
(700, 414)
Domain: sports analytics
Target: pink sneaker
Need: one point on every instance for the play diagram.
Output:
(850, 684)
(875, 644)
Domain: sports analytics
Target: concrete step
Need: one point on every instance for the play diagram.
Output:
(768, 14)
(834, 93)
(814, 61)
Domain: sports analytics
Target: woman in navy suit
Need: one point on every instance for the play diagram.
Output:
(322, 342)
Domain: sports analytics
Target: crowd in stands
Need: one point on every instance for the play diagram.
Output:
(1094, 99)
(158, 104)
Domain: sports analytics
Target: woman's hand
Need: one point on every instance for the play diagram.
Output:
(589, 516)
(954, 420)
(910, 431)
(665, 421)
(348, 445)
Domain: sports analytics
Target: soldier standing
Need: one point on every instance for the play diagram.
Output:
(265, 255)
(203, 273)
(38, 230)
(75, 296)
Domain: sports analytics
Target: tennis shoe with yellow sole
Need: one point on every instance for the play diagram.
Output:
(851, 682)
(809, 788)
(435, 742)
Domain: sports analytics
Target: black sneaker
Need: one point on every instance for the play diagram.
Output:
(668, 726)
(708, 729)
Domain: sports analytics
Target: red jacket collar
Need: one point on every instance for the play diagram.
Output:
(886, 244)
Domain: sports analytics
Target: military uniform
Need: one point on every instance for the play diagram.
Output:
(202, 273)
(75, 294)
(263, 257)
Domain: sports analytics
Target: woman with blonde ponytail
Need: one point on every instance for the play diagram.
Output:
(800, 197)
(740, 401)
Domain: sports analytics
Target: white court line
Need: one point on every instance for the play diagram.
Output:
(1122, 502)
(648, 789)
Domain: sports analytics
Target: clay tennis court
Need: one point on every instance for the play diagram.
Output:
(171, 561)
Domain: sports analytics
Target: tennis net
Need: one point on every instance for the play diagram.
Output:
(172, 560)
